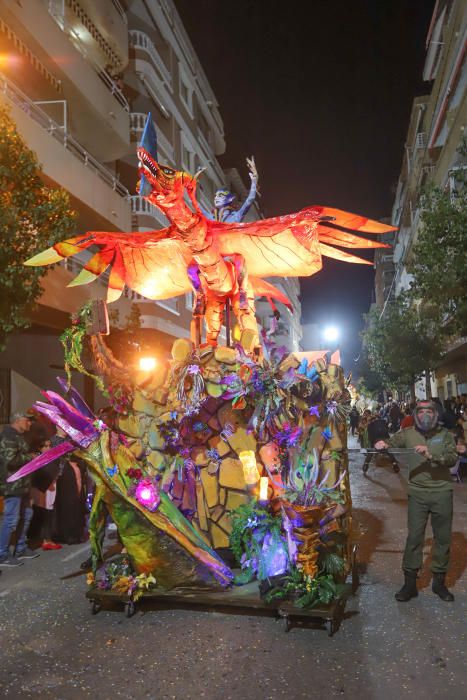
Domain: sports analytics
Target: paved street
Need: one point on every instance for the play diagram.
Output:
(53, 648)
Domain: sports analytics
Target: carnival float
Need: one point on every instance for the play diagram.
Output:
(224, 469)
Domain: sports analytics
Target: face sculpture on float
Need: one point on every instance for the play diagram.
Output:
(197, 254)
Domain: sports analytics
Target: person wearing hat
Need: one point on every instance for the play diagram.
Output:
(429, 494)
(14, 452)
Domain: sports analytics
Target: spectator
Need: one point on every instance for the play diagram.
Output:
(408, 419)
(43, 494)
(362, 426)
(394, 417)
(354, 417)
(439, 406)
(377, 429)
(449, 418)
(70, 505)
(14, 453)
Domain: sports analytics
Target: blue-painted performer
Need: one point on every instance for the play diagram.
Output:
(224, 207)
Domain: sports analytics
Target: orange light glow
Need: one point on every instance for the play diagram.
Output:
(250, 470)
(263, 488)
(8, 60)
(147, 364)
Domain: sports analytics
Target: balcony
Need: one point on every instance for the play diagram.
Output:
(65, 161)
(146, 216)
(98, 110)
(141, 41)
(98, 28)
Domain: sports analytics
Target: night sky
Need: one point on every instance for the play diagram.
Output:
(320, 92)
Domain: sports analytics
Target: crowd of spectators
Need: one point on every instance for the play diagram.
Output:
(46, 509)
(373, 425)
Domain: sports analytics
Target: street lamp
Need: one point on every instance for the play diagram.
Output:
(331, 334)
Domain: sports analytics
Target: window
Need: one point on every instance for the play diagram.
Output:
(186, 92)
(185, 95)
(187, 156)
(203, 126)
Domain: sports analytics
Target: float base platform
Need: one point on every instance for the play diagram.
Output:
(238, 600)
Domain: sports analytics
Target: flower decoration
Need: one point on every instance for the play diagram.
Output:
(146, 492)
(193, 369)
(338, 407)
(134, 473)
(199, 426)
(327, 435)
(118, 575)
(121, 397)
(112, 471)
(193, 408)
(214, 456)
(288, 436)
(314, 411)
(227, 432)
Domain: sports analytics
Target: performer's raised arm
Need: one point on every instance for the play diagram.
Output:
(253, 173)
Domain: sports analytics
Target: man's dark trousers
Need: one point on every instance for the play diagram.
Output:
(422, 504)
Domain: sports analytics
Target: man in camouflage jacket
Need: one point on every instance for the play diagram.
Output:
(14, 452)
(430, 495)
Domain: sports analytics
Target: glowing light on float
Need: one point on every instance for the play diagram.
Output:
(263, 489)
(147, 364)
(250, 470)
(147, 494)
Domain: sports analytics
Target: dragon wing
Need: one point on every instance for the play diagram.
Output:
(292, 245)
(152, 263)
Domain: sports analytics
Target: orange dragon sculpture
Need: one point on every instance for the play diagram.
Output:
(219, 261)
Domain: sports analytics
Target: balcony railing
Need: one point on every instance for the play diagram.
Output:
(59, 17)
(141, 207)
(140, 40)
(58, 132)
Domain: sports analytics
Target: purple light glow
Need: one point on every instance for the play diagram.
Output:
(147, 494)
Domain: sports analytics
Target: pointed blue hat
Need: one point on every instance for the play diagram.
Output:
(149, 143)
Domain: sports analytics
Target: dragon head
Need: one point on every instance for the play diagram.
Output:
(159, 184)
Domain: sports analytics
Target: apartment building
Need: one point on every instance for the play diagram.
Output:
(431, 155)
(79, 78)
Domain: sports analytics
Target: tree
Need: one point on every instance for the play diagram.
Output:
(439, 264)
(370, 383)
(32, 218)
(402, 345)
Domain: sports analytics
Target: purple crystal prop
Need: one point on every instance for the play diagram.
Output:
(42, 460)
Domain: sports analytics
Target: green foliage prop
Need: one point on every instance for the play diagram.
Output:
(305, 591)
(250, 524)
(32, 218)
(72, 340)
